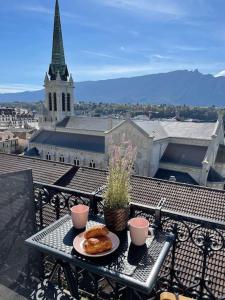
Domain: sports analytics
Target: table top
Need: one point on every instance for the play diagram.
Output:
(136, 267)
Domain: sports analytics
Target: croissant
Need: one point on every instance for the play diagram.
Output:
(96, 231)
(97, 245)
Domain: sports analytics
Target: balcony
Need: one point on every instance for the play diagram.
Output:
(194, 267)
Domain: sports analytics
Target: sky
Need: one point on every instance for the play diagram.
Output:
(110, 38)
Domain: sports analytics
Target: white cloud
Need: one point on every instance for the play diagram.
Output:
(164, 7)
(17, 87)
(37, 8)
(221, 73)
(188, 48)
(109, 71)
(100, 54)
(159, 56)
(68, 16)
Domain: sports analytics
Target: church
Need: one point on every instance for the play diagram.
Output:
(187, 152)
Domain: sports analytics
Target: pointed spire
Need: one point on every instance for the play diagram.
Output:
(58, 58)
(71, 78)
(46, 78)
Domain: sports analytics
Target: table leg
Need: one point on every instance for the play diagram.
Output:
(72, 280)
(54, 269)
(133, 295)
(130, 294)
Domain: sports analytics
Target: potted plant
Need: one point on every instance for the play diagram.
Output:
(117, 191)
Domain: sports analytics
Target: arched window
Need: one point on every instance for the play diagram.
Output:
(63, 102)
(55, 102)
(92, 164)
(48, 156)
(76, 162)
(68, 102)
(61, 158)
(50, 101)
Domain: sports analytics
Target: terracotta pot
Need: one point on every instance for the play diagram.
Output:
(116, 218)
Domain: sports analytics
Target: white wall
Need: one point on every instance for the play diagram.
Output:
(137, 138)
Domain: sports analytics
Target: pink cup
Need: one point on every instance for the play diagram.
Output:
(139, 228)
(79, 214)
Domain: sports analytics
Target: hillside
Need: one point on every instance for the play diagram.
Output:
(177, 87)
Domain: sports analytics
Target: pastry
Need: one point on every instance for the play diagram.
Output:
(96, 231)
(97, 245)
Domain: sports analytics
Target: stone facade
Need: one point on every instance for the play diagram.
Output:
(8, 142)
(59, 101)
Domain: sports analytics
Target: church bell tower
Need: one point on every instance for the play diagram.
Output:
(59, 86)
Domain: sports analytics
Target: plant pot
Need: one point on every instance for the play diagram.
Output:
(116, 218)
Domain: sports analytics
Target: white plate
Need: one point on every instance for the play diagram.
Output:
(79, 241)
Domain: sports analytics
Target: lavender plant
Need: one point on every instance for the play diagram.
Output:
(118, 187)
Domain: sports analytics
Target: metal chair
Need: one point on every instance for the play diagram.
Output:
(20, 265)
(170, 296)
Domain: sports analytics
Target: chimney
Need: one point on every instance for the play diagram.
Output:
(173, 179)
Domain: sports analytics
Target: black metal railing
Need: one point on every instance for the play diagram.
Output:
(195, 266)
(53, 202)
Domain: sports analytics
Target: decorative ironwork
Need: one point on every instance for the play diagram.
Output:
(53, 202)
(193, 261)
(194, 266)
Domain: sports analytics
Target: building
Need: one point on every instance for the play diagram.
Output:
(17, 118)
(8, 142)
(59, 86)
(187, 152)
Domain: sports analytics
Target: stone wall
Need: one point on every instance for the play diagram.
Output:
(69, 155)
(130, 132)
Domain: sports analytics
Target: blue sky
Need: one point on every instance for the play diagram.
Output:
(110, 38)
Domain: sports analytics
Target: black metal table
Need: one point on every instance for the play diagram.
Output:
(135, 267)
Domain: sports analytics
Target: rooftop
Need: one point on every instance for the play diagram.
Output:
(165, 129)
(70, 140)
(44, 171)
(89, 123)
(185, 198)
(178, 176)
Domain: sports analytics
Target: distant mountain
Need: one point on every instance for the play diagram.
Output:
(177, 87)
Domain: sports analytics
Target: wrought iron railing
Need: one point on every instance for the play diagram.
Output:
(195, 266)
(52, 202)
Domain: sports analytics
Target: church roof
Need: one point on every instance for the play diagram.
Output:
(58, 63)
(179, 176)
(190, 155)
(70, 140)
(189, 130)
(89, 123)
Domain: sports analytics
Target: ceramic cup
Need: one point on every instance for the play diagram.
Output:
(139, 230)
(79, 214)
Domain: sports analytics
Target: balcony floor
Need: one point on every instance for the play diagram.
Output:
(7, 294)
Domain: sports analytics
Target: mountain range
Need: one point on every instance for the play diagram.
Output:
(177, 87)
